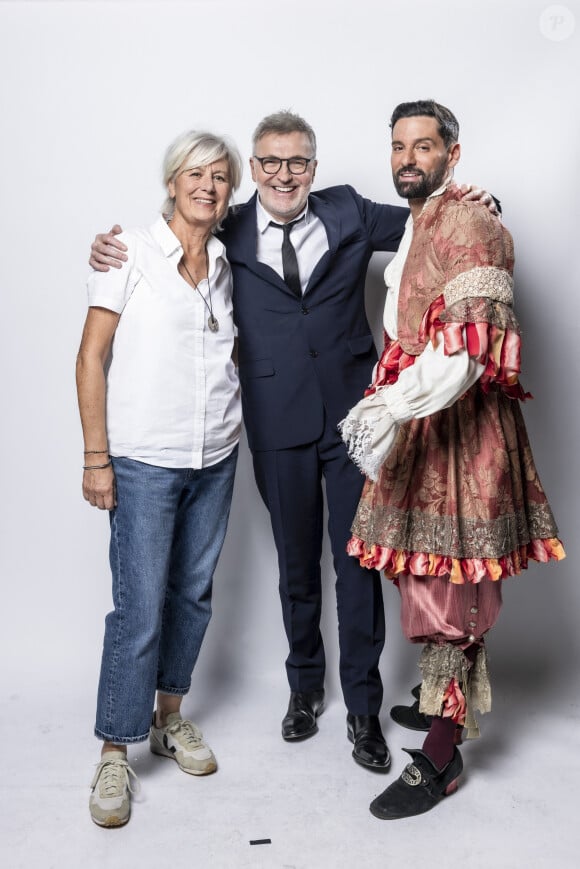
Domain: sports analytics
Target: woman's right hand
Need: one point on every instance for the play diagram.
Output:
(106, 251)
(99, 488)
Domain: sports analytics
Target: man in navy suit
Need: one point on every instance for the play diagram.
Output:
(306, 354)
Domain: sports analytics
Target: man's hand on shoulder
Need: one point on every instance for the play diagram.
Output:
(107, 251)
(471, 193)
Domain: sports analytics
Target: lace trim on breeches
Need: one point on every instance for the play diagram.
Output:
(439, 663)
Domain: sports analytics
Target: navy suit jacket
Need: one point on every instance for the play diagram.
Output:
(300, 359)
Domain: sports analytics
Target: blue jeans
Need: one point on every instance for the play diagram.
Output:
(167, 532)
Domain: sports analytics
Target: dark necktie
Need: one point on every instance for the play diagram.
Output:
(289, 259)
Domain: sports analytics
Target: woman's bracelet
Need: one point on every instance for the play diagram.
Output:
(96, 467)
(95, 452)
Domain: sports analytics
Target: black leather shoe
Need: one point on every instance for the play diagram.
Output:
(409, 716)
(370, 748)
(419, 788)
(303, 710)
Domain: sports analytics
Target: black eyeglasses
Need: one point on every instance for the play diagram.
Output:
(272, 165)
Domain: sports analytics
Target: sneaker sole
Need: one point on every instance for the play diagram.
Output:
(113, 821)
(163, 752)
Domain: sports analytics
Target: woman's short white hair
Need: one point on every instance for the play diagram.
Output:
(199, 148)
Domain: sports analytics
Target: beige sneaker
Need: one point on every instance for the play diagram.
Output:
(110, 800)
(183, 741)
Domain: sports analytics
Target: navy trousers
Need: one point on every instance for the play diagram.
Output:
(290, 483)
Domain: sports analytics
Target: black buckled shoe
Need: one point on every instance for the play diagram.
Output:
(370, 748)
(303, 710)
(419, 788)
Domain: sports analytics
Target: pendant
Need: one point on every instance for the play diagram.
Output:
(212, 323)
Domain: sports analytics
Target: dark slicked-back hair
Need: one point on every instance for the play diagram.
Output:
(282, 123)
(446, 120)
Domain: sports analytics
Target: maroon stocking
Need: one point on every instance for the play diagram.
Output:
(440, 741)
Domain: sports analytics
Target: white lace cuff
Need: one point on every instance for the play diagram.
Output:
(369, 432)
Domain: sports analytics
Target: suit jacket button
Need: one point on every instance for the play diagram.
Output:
(304, 310)
(314, 354)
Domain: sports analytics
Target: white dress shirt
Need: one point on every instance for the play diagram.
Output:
(308, 238)
(173, 395)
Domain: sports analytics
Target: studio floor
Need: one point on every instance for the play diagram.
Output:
(517, 805)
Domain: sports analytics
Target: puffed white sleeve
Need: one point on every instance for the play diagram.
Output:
(433, 383)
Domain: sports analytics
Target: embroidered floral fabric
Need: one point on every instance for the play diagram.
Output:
(457, 492)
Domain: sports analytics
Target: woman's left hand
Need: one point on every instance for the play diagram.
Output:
(99, 488)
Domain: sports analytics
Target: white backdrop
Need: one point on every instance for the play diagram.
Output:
(92, 92)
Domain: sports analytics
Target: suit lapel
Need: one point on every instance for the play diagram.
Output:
(239, 237)
(331, 221)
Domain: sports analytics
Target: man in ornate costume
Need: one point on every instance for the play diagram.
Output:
(453, 503)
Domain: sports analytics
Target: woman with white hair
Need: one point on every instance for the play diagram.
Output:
(160, 410)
